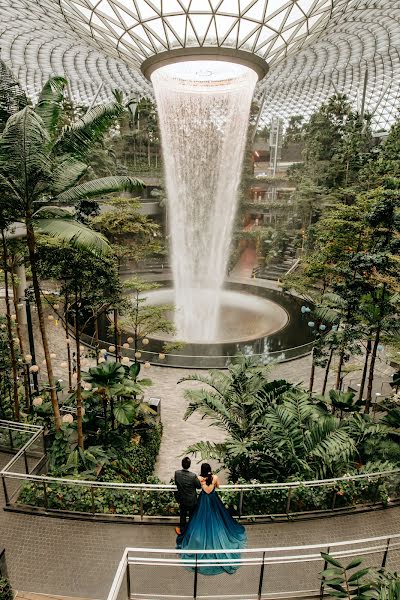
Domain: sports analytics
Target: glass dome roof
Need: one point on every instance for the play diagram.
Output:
(313, 47)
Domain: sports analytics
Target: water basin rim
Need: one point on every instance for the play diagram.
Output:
(242, 57)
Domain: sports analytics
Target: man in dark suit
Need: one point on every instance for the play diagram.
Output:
(187, 483)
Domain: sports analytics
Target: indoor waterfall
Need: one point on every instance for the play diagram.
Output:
(204, 110)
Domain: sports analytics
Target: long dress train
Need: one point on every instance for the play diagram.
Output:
(212, 528)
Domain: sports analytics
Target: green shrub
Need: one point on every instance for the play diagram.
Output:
(6, 592)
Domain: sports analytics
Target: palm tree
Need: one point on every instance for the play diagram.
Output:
(41, 164)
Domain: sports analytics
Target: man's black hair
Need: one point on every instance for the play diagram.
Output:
(186, 462)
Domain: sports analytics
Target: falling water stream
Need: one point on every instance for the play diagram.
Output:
(203, 109)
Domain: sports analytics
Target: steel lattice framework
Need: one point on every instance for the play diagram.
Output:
(313, 47)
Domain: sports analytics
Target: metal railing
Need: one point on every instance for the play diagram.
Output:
(205, 361)
(261, 573)
(26, 489)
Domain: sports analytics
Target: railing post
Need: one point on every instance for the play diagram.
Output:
(26, 463)
(240, 507)
(141, 505)
(334, 499)
(6, 498)
(128, 579)
(322, 586)
(288, 500)
(92, 495)
(261, 580)
(195, 581)
(11, 439)
(385, 554)
(46, 499)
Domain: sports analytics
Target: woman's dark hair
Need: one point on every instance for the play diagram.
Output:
(206, 472)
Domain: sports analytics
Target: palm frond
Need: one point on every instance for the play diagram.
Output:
(100, 187)
(50, 103)
(24, 163)
(207, 450)
(78, 138)
(74, 233)
(67, 173)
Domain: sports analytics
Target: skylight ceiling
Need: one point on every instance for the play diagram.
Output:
(313, 47)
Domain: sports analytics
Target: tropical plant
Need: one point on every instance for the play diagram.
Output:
(359, 584)
(41, 164)
(116, 387)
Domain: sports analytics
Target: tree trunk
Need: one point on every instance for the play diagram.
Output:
(79, 424)
(96, 337)
(338, 384)
(117, 356)
(68, 341)
(21, 341)
(364, 374)
(327, 368)
(9, 331)
(31, 242)
(371, 370)
(312, 374)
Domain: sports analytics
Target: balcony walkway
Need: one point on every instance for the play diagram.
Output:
(78, 558)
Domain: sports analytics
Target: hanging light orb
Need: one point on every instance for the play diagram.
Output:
(53, 355)
(130, 340)
(56, 306)
(38, 401)
(145, 341)
(13, 317)
(50, 317)
(334, 327)
(161, 356)
(138, 354)
(68, 418)
(102, 359)
(111, 348)
(126, 345)
(379, 347)
(311, 323)
(87, 386)
(102, 351)
(147, 365)
(28, 358)
(322, 327)
(125, 360)
(303, 309)
(34, 369)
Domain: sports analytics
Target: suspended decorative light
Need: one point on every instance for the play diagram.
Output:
(68, 418)
(38, 401)
(138, 354)
(125, 360)
(145, 341)
(147, 365)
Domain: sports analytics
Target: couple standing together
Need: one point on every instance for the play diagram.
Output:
(210, 526)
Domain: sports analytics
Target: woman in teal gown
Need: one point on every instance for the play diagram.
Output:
(212, 528)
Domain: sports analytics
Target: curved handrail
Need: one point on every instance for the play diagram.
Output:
(168, 487)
